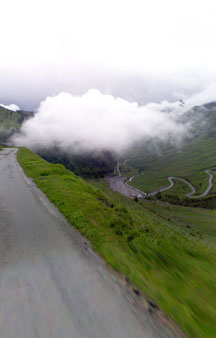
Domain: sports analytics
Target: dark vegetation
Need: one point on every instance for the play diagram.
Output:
(167, 252)
(204, 202)
(86, 165)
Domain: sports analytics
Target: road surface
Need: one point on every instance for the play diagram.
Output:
(118, 170)
(210, 184)
(52, 284)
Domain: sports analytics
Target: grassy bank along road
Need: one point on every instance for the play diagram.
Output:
(175, 270)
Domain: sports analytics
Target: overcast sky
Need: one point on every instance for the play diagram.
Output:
(139, 50)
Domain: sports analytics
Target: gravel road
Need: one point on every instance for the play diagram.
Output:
(52, 284)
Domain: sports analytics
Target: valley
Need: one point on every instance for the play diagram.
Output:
(192, 166)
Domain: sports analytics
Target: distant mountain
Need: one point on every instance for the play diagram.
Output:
(203, 118)
(189, 160)
(10, 121)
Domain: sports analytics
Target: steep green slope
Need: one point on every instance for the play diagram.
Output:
(87, 165)
(188, 162)
(175, 269)
(10, 121)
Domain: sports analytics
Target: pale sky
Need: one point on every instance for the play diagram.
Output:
(115, 45)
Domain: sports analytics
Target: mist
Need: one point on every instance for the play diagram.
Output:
(96, 122)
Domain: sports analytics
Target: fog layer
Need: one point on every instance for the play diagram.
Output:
(95, 121)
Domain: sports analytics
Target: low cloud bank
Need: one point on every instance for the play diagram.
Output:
(95, 122)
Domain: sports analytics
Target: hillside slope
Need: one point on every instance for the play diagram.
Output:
(158, 255)
(197, 154)
(10, 121)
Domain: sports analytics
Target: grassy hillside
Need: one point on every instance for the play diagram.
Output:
(11, 121)
(188, 162)
(151, 245)
(87, 165)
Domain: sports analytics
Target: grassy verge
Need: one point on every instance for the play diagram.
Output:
(175, 270)
(1, 148)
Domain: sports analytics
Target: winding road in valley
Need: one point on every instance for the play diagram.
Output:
(52, 284)
(120, 184)
(193, 189)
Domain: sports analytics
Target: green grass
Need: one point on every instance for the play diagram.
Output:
(1, 148)
(9, 119)
(195, 222)
(127, 171)
(188, 162)
(173, 268)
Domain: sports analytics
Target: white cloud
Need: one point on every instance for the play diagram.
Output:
(205, 96)
(95, 121)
